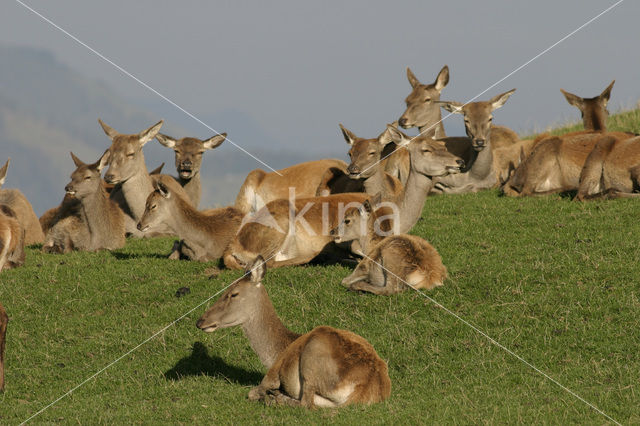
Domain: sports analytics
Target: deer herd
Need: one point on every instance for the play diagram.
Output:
(326, 210)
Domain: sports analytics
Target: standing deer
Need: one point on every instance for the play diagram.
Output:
(127, 170)
(11, 239)
(189, 153)
(391, 263)
(481, 171)
(325, 367)
(205, 235)
(22, 209)
(365, 155)
(4, 320)
(594, 110)
(295, 234)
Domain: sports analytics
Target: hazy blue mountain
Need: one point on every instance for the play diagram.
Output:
(48, 109)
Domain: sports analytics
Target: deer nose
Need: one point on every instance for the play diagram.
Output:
(68, 188)
(139, 226)
(353, 169)
(460, 163)
(402, 121)
(109, 177)
(199, 323)
(333, 232)
(187, 163)
(480, 142)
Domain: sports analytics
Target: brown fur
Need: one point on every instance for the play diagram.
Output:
(555, 164)
(594, 110)
(423, 111)
(324, 367)
(23, 210)
(189, 153)
(392, 263)
(205, 235)
(4, 320)
(260, 187)
(612, 170)
(11, 239)
(267, 233)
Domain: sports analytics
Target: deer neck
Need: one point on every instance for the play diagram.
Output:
(594, 121)
(371, 238)
(415, 194)
(136, 189)
(187, 222)
(436, 132)
(375, 183)
(267, 335)
(481, 164)
(192, 187)
(96, 208)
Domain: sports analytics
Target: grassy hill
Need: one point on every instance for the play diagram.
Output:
(552, 280)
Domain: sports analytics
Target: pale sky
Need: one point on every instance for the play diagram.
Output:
(300, 68)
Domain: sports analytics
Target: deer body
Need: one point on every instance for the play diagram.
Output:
(205, 235)
(260, 187)
(555, 164)
(482, 172)
(391, 263)
(325, 367)
(612, 170)
(4, 320)
(11, 239)
(22, 209)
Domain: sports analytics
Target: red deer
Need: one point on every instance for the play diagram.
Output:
(325, 367)
(4, 320)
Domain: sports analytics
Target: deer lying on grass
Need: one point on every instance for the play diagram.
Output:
(391, 263)
(260, 187)
(11, 239)
(101, 223)
(4, 320)
(127, 170)
(293, 235)
(594, 110)
(188, 160)
(612, 170)
(325, 367)
(482, 171)
(205, 235)
(555, 164)
(366, 166)
(594, 115)
(22, 209)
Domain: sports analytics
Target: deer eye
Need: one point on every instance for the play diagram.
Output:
(130, 155)
(234, 294)
(153, 207)
(427, 99)
(347, 221)
(87, 177)
(372, 153)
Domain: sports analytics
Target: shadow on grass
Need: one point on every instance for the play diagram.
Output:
(127, 256)
(200, 363)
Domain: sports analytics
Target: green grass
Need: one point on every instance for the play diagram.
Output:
(553, 280)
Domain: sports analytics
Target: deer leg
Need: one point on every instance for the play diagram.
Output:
(276, 397)
(361, 273)
(4, 319)
(175, 250)
(270, 383)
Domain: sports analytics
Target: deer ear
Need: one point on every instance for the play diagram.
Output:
(386, 136)
(157, 170)
(499, 100)
(76, 160)
(442, 79)
(165, 140)
(108, 130)
(348, 135)
(574, 100)
(452, 107)
(367, 206)
(103, 161)
(256, 270)
(214, 141)
(3, 171)
(397, 136)
(162, 189)
(146, 135)
(413, 80)
(606, 93)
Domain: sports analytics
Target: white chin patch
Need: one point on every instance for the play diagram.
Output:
(210, 329)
